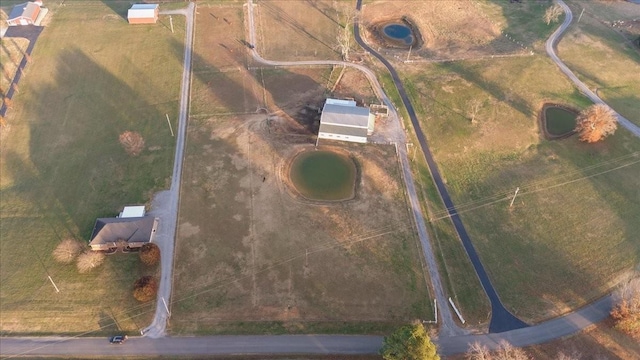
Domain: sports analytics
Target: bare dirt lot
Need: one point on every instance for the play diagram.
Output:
(253, 257)
(249, 250)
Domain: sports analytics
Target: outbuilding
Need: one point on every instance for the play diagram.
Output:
(24, 14)
(344, 120)
(143, 14)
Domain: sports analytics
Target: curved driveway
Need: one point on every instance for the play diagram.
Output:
(549, 46)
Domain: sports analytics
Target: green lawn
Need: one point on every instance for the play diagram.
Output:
(92, 77)
(552, 251)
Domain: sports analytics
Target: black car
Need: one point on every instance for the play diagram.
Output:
(118, 339)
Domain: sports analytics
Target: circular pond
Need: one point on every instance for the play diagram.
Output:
(399, 32)
(559, 121)
(323, 175)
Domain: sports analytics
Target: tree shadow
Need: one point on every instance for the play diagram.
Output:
(120, 7)
(514, 100)
(91, 144)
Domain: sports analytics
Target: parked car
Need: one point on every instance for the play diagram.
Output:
(118, 339)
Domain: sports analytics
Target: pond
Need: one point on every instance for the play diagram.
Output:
(323, 175)
(399, 32)
(559, 121)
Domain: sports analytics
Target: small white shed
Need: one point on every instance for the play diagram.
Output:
(132, 212)
(143, 14)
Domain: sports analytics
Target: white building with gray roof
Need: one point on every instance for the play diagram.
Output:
(343, 120)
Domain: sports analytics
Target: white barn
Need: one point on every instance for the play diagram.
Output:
(343, 120)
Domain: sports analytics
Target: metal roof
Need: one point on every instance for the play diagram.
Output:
(144, 6)
(28, 9)
(343, 130)
(345, 115)
(341, 102)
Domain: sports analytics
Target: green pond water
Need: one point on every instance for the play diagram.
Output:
(559, 121)
(323, 175)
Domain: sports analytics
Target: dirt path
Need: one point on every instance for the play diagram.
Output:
(165, 204)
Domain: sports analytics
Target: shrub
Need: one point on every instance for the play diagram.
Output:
(132, 142)
(150, 254)
(145, 288)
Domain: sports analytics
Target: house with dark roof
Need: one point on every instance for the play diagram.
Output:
(343, 120)
(135, 231)
(24, 14)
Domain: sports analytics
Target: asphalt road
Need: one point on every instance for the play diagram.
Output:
(501, 319)
(550, 47)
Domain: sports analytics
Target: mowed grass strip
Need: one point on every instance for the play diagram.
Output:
(92, 77)
(560, 246)
(605, 60)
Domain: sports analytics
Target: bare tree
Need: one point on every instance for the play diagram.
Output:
(89, 260)
(474, 107)
(67, 250)
(344, 36)
(626, 313)
(552, 14)
(506, 351)
(596, 122)
(478, 351)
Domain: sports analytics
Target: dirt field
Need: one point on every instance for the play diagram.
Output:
(251, 256)
(450, 29)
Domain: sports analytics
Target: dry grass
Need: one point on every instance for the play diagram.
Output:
(301, 30)
(450, 29)
(249, 250)
(602, 58)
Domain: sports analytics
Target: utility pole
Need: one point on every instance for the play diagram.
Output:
(409, 54)
(169, 122)
(514, 196)
(54, 284)
(166, 307)
(171, 22)
(580, 17)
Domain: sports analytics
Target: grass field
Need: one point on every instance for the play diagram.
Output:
(551, 251)
(602, 58)
(301, 30)
(92, 77)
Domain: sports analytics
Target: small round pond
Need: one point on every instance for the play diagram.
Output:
(399, 32)
(559, 121)
(323, 175)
